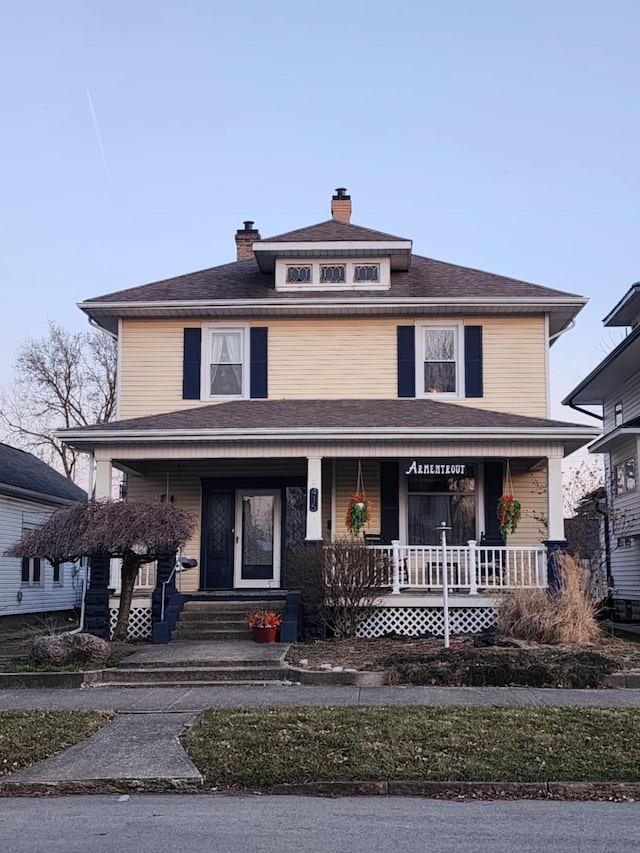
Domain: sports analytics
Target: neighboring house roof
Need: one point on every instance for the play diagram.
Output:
(342, 419)
(333, 230)
(22, 473)
(620, 364)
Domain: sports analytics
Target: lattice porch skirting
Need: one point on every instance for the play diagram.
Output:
(413, 621)
(139, 623)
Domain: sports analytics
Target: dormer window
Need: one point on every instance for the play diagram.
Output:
(332, 274)
(366, 272)
(343, 274)
(299, 274)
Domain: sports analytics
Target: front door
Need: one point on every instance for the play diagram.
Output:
(257, 538)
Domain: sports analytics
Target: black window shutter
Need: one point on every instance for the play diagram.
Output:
(389, 501)
(406, 361)
(493, 474)
(191, 364)
(258, 370)
(473, 361)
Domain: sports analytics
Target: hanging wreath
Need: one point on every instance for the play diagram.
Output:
(509, 509)
(509, 512)
(358, 513)
(359, 508)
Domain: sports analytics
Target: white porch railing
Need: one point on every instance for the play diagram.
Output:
(467, 568)
(145, 581)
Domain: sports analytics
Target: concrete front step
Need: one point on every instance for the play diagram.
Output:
(204, 663)
(182, 632)
(231, 606)
(161, 676)
(217, 619)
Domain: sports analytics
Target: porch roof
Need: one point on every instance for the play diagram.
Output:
(291, 420)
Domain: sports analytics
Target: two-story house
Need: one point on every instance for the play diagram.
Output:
(261, 394)
(615, 386)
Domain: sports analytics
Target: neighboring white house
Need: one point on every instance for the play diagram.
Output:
(29, 491)
(615, 386)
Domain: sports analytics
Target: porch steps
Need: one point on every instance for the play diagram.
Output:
(211, 620)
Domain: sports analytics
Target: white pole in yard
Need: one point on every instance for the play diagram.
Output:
(445, 582)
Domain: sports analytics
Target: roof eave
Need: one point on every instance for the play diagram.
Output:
(587, 392)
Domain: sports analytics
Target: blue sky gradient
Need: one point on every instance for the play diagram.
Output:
(496, 135)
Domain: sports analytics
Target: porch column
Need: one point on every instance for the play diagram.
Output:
(104, 476)
(96, 601)
(314, 499)
(554, 498)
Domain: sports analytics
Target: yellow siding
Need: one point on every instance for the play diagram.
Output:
(333, 358)
(530, 488)
(514, 366)
(346, 480)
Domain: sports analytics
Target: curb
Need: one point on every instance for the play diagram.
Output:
(618, 791)
(100, 786)
(576, 791)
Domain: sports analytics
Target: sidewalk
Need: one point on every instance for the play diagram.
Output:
(140, 750)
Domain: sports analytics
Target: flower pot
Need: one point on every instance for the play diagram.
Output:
(264, 635)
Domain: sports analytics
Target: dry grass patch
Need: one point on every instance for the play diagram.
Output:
(30, 736)
(257, 749)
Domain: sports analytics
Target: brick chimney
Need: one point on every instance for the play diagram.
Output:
(341, 205)
(245, 238)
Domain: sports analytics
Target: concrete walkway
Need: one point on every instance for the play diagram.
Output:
(140, 748)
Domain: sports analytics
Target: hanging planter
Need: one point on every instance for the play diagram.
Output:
(509, 512)
(358, 513)
(359, 508)
(509, 509)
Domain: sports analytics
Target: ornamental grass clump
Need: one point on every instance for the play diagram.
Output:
(565, 618)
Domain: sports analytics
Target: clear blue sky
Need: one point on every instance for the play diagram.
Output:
(495, 133)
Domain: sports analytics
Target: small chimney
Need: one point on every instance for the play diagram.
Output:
(245, 238)
(341, 205)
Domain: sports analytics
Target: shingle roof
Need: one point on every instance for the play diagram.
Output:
(333, 230)
(324, 414)
(21, 470)
(426, 278)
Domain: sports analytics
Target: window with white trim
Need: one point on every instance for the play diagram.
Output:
(225, 363)
(624, 476)
(341, 273)
(618, 414)
(439, 360)
(31, 574)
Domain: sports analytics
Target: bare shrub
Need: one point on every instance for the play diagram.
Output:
(569, 617)
(339, 582)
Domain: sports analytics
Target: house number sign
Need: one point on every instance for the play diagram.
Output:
(446, 467)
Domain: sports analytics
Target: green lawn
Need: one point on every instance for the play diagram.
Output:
(30, 736)
(265, 747)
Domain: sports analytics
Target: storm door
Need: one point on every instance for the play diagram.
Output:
(257, 538)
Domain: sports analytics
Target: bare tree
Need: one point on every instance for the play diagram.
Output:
(137, 532)
(62, 380)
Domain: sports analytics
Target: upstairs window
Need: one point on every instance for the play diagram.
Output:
(299, 275)
(618, 414)
(624, 476)
(366, 272)
(440, 363)
(329, 274)
(332, 274)
(224, 374)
